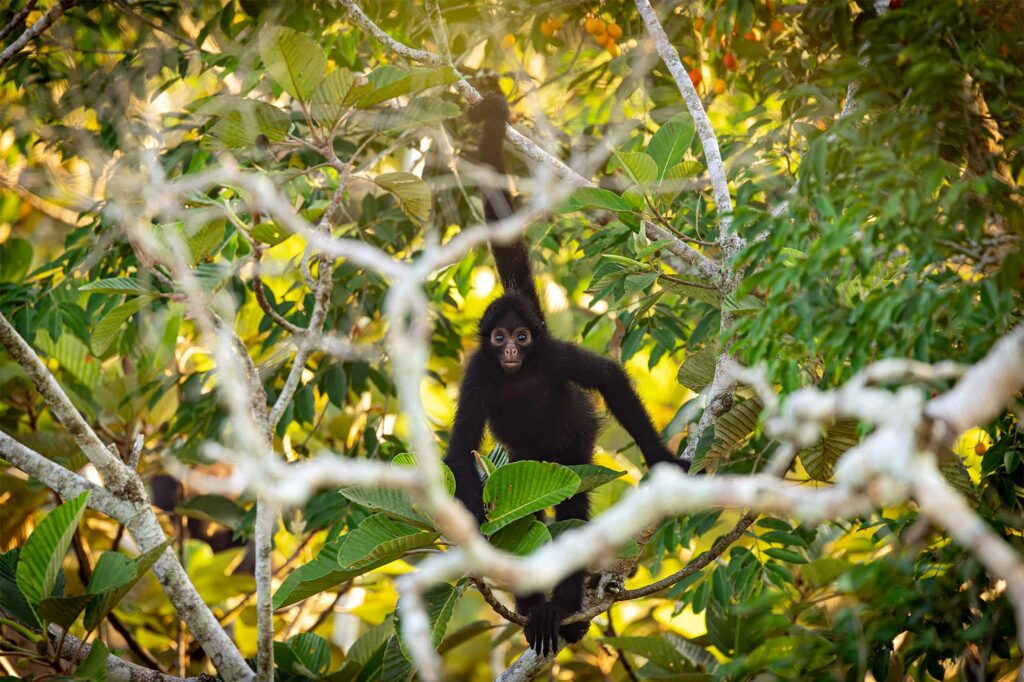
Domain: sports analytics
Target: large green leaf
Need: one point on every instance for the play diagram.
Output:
(655, 649)
(381, 539)
(329, 97)
(393, 502)
(731, 429)
(117, 285)
(105, 331)
(411, 82)
(412, 193)
(522, 488)
(594, 475)
(422, 111)
(396, 666)
(407, 460)
(440, 602)
(94, 667)
(12, 601)
(522, 537)
(112, 586)
(43, 552)
(820, 458)
(73, 355)
(698, 369)
(293, 60)
(322, 573)
(216, 508)
(668, 145)
(239, 128)
(312, 652)
(15, 259)
(595, 197)
(63, 611)
(640, 167)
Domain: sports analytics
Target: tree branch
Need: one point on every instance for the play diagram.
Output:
(36, 29)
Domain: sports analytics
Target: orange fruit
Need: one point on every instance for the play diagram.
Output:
(729, 61)
(509, 40)
(613, 48)
(602, 39)
(695, 77)
(719, 86)
(547, 29)
(750, 35)
(776, 26)
(556, 23)
(593, 25)
(615, 31)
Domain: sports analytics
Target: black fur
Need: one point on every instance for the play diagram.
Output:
(542, 409)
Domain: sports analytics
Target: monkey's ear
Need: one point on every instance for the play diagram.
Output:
(493, 107)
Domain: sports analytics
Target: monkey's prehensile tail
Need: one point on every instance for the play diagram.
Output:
(513, 258)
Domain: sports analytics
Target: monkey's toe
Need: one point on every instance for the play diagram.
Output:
(573, 632)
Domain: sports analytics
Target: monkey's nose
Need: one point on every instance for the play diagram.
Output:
(511, 353)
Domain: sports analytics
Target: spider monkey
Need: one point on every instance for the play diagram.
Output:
(533, 391)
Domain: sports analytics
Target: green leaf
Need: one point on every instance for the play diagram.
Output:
(312, 652)
(216, 508)
(370, 642)
(269, 233)
(117, 285)
(329, 97)
(63, 611)
(595, 197)
(73, 355)
(440, 602)
(671, 141)
(407, 460)
(640, 167)
(464, 634)
(955, 473)
(789, 556)
(593, 476)
(43, 552)
(655, 649)
(731, 429)
(522, 488)
(412, 193)
(698, 369)
(240, 127)
(393, 502)
(747, 304)
(396, 666)
(12, 601)
(697, 293)
(522, 537)
(293, 60)
(94, 667)
(105, 331)
(15, 259)
(322, 573)
(381, 539)
(112, 571)
(684, 171)
(412, 81)
(112, 596)
(422, 111)
(820, 458)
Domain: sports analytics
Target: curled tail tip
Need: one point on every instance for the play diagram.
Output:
(493, 108)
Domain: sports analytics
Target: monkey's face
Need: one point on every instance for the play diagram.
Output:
(511, 341)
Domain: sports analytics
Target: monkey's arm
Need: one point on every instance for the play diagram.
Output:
(593, 371)
(467, 432)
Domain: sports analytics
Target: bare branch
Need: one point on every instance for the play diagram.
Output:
(36, 29)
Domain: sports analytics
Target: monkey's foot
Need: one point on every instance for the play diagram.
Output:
(542, 627)
(573, 632)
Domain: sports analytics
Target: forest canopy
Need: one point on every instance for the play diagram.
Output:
(243, 257)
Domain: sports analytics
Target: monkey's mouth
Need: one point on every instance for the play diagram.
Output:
(511, 367)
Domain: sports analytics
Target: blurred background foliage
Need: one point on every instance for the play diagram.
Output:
(899, 235)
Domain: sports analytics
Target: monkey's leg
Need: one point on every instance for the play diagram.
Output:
(568, 594)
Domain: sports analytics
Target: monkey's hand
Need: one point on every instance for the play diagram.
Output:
(544, 629)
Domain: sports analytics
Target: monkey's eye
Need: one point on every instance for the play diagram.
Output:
(499, 338)
(523, 336)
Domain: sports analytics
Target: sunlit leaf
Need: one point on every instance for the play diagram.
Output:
(293, 60)
(522, 488)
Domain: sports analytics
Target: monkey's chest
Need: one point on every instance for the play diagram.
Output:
(541, 421)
